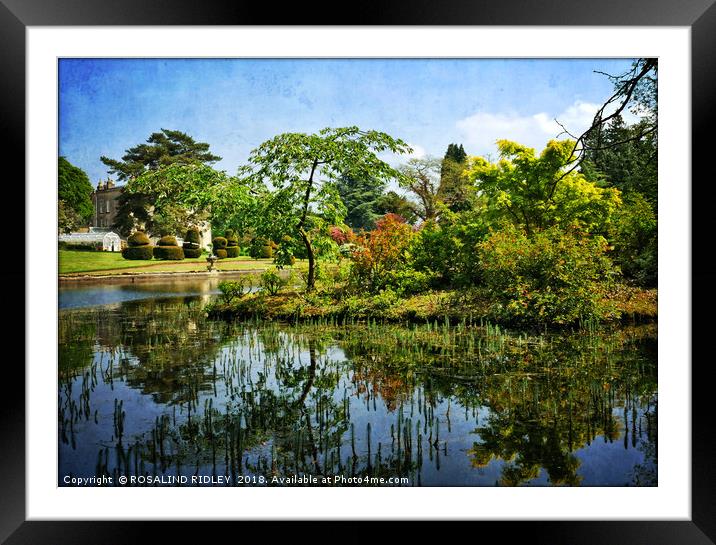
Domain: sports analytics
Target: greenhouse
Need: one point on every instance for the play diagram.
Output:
(106, 241)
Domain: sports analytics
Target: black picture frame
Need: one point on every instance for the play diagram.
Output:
(699, 15)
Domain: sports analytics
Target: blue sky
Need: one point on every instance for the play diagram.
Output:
(109, 105)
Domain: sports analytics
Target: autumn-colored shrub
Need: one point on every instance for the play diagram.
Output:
(379, 253)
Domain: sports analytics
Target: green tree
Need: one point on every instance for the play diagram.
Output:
(179, 187)
(75, 190)
(623, 159)
(67, 218)
(361, 198)
(392, 203)
(160, 150)
(299, 172)
(535, 192)
(455, 189)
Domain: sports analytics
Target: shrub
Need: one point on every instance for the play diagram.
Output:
(220, 253)
(271, 281)
(138, 252)
(168, 240)
(449, 249)
(380, 251)
(552, 277)
(634, 235)
(219, 242)
(191, 243)
(174, 253)
(138, 238)
(139, 247)
(231, 290)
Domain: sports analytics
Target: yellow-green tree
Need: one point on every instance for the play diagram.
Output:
(540, 191)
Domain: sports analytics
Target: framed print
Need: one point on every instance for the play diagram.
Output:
(374, 272)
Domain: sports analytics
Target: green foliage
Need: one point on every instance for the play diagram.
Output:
(271, 282)
(449, 248)
(261, 248)
(174, 253)
(234, 289)
(622, 159)
(67, 219)
(455, 190)
(75, 191)
(298, 173)
(392, 203)
(138, 238)
(138, 252)
(162, 150)
(361, 198)
(552, 277)
(537, 192)
(634, 237)
(232, 251)
(221, 253)
(219, 243)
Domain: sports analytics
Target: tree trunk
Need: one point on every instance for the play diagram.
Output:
(311, 280)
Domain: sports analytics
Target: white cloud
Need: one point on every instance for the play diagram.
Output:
(480, 131)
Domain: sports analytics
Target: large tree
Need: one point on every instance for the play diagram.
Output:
(361, 198)
(538, 191)
(455, 189)
(422, 178)
(299, 173)
(75, 191)
(161, 149)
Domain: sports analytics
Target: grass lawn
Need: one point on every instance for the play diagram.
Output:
(72, 262)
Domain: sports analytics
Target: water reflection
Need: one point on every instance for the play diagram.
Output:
(152, 388)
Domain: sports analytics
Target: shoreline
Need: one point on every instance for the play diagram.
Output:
(148, 276)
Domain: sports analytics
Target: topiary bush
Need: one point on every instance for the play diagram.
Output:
(168, 248)
(174, 253)
(232, 244)
(138, 252)
(191, 246)
(168, 240)
(138, 238)
(139, 247)
(219, 243)
(221, 253)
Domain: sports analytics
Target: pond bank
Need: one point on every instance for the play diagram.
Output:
(130, 277)
(633, 305)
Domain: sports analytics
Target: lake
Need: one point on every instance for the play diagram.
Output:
(152, 391)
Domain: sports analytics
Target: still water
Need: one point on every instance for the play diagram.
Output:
(151, 390)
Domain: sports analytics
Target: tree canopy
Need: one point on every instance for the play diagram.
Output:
(162, 149)
(299, 174)
(535, 192)
(75, 191)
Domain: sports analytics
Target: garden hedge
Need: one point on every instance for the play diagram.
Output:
(219, 243)
(221, 253)
(232, 244)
